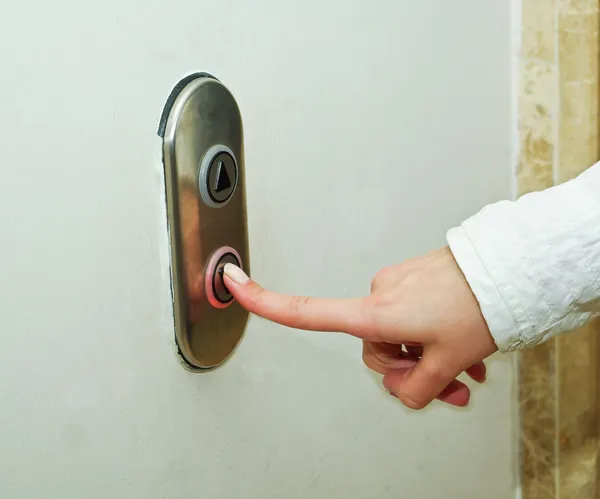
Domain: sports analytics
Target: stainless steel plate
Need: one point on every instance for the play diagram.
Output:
(202, 125)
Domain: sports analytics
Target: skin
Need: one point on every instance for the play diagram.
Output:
(421, 326)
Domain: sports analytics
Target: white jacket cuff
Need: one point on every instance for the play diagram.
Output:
(534, 264)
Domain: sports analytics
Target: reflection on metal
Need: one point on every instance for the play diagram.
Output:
(203, 159)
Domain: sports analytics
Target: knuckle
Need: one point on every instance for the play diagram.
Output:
(375, 312)
(374, 365)
(382, 300)
(436, 373)
(409, 280)
(380, 278)
(257, 296)
(368, 361)
(367, 357)
(365, 351)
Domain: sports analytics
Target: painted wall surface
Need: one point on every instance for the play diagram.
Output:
(371, 128)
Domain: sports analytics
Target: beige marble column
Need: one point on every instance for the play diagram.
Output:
(558, 138)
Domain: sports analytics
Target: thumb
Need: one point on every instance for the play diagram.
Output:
(430, 378)
(300, 312)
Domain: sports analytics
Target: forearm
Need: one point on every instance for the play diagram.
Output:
(534, 264)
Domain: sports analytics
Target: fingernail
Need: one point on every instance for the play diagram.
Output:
(235, 273)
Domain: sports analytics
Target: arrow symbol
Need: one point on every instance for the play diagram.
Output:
(222, 182)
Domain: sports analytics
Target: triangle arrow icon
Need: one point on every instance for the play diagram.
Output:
(222, 181)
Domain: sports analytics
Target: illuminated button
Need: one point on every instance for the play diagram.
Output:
(216, 292)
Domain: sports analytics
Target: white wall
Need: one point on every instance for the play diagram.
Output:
(371, 127)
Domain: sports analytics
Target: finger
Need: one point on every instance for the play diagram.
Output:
(477, 372)
(314, 314)
(417, 387)
(382, 362)
(456, 393)
(379, 367)
(384, 350)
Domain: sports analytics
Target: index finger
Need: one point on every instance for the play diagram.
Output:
(300, 312)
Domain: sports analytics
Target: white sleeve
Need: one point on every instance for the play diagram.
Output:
(534, 264)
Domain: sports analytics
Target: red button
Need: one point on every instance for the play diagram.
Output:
(216, 292)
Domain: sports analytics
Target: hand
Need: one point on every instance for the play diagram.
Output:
(421, 325)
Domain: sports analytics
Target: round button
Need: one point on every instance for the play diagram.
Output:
(218, 176)
(220, 290)
(216, 292)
